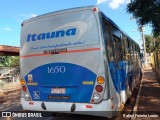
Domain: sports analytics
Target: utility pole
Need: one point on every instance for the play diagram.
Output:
(141, 29)
(144, 45)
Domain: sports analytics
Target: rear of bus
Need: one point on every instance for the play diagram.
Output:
(62, 66)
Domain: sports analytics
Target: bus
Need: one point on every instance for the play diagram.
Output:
(77, 61)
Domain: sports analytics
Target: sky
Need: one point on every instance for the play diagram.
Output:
(13, 12)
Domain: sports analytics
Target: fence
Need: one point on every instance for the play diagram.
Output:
(10, 86)
(156, 63)
(9, 78)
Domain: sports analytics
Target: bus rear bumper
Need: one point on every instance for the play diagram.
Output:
(102, 109)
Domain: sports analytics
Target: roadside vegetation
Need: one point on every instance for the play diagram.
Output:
(9, 61)
(9, 71)
(148, 12)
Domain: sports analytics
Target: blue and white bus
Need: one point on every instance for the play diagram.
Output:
(77, 60)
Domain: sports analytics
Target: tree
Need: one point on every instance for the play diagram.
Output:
(157, 42)
(149, 43)
(146, 12)
(9, 61)
(15, 61)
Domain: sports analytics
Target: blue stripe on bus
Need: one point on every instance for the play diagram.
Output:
(72, 80)
(120, 75)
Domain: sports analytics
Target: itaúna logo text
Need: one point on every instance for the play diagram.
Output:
(49, 35)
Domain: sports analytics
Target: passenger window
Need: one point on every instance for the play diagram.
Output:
(118, 48)
(108, 40)
(123, 47)
(110, 51)
(132, 51)
(135, 52)
(127, 49)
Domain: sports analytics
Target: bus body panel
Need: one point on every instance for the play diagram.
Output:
(62, 56)
(57, 56)
(63, 107)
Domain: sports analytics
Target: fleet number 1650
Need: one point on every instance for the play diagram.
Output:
(57, 69)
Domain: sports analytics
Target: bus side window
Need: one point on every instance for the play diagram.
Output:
(125, 46)
(116, 36)
(129, 49)
(118, 48)
(110, 51)
(108, 40)
(133, 51)
(136, 52)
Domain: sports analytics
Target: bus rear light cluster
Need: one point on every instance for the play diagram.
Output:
(25, 93)
(100, 81)
(98, 89)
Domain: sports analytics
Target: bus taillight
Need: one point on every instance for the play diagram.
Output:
(22, 81)
(99, 88)
(24, 88)
(100, 80)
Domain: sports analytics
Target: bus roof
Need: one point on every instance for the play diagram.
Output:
(73, 10)
(59, 12)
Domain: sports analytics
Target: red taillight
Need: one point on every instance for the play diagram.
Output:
(99, 88)
(24, 88)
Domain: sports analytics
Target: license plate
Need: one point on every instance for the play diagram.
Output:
(58, 90)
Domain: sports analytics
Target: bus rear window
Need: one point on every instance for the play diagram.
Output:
(73, 29)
